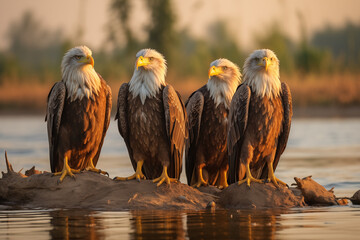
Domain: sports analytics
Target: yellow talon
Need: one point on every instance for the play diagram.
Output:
(92, 168)
(164, 178)
(66, 170)
(249, 178)
(223, 179)
(137, 175)
(272, 178)
(200, 180)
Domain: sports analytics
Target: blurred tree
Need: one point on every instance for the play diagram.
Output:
(278, 42)
(119, 61)
(222, 42)
(34, 50)
(343, 43)
(308, 58)
(122, 9)
(161, 32)
(2, 67)
(186, 55)
(193, 56)
(197, 54)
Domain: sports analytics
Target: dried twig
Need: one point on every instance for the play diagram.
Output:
(8, 164)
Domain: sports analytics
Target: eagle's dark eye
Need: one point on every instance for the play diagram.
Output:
(272, 59)
(224, 68)
(256, 59)
(77, 57)
(151, 58)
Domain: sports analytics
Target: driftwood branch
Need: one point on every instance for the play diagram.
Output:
(8, 164)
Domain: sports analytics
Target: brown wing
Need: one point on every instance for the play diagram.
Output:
(284, 134)
(175, 121)
(238, 116)
(55, 106)
(107, 119)
(194, 109)
(121, 117)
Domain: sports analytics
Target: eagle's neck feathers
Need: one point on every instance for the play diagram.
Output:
(80, 83)
(221, 91)
(146, 83)
(263, 84)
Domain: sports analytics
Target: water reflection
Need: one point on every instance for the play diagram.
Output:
(157, 225)
(67, 224)
(221, 224)
(302, 223)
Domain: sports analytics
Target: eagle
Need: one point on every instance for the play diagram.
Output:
(77, 115)
(152, 120)
(206, 155)
(259, 121)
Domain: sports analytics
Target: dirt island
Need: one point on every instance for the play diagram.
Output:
(90, 190)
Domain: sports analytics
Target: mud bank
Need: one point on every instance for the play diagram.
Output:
(90, 190)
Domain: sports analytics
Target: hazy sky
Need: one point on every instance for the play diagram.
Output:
(244, 18)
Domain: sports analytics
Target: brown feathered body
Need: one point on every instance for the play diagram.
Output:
(259, 118)
(207, 109)
(152, 118)
(210, 145)
(148, 138)
(78, 113)
(261, 136)
(81, 132)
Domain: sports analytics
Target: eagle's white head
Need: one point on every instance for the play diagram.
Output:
(149, 74)
(224, 78)
(78, 73)
(261, 73)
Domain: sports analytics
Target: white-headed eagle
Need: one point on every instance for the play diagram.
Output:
(208, 108)
(259, 120)
(78, 114)
(152, 120)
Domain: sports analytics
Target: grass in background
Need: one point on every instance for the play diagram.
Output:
(338, 90)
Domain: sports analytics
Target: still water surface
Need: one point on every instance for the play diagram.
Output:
(329, 150)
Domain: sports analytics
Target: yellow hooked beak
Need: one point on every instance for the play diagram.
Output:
(87, 60)
(265, 62)
(142, 61)
(213, 71)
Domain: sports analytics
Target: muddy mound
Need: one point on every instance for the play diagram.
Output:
(259, 196)
(94, 191)
(90, 190)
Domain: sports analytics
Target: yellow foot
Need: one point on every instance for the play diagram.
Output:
(223, 184)
(66, 171)
(249, 178)
(137, 175)
(223, 179)
(92, 168)
(200, 181)
(272, 178)
(276, 181)
(164, 178)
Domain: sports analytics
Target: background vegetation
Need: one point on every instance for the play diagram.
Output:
(322, 69)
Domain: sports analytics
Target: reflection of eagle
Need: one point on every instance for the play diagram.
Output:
(207, 110)
(152, 120)
(259, 120)
(78, 114)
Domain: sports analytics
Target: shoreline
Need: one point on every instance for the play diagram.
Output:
(298, 112)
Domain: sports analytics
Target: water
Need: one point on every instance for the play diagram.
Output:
(329, 150)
